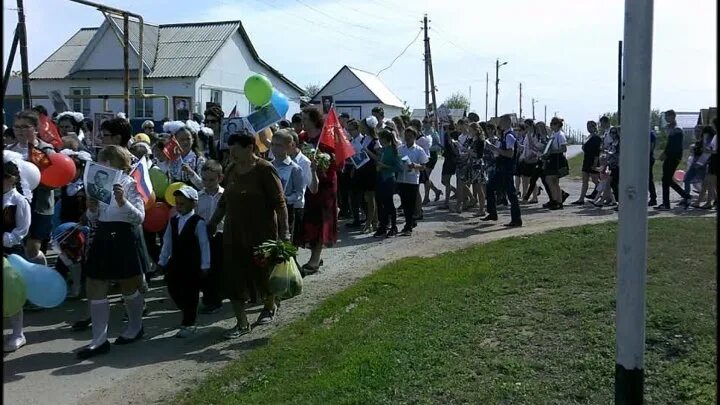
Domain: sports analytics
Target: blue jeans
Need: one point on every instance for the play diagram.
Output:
(694, 173)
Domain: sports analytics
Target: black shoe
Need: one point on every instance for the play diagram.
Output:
(556, 206)
(663, 207)
(565, 196)
(87, 352)
(591, 195)
(393, 232)
(81, 325)
(381, 233)
(578, 202)
(652, 203)
(308, 269)
(490, 218)
(548, 204)
(121, 340)
(517, 224)
(406, 232)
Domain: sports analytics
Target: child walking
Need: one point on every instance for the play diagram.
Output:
(212, 175)
(388, 166)
(186, 256)
(16, 225)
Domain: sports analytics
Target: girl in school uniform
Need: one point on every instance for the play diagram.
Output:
(188, 166)
(116, 254)
(16, 225)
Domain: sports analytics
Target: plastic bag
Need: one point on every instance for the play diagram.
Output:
(285, 280)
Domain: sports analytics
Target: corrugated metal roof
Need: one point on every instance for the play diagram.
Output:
(174, 50)
(377, 87)
(58, 65)
(687, 120)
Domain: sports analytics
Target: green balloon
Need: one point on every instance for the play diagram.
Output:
(14, 293)
(258, 90)
(159, 182)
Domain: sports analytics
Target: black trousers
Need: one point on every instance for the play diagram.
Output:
(184, 288)
(408, 199)
(152, 245)
(615, 182)
(357, 203)
(295, 221)
(344, 186)
(384, 193)
(669, 167)
(501, 180)
(651, 183)
(211, 284)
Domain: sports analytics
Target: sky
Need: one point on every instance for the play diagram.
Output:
(564, 52)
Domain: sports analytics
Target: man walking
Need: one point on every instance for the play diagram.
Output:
(671, 158)
(502, 178)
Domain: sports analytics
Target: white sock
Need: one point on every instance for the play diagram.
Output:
(76, 278)
(99, 314)
(17, 325)
(134, 305)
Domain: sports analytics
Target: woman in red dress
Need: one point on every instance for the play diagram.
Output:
(320, 215)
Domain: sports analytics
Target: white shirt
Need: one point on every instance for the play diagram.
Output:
(415, 154)
(207, 204)
(558, 139)
(22, 218)
(132, 212)
(304, 164)
(425, 142)
(200, 233)
(293, 181)
(607, 140)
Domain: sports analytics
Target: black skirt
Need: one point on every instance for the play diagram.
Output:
(117, 252)
(525, 168)
(713, 165)
(555, 164)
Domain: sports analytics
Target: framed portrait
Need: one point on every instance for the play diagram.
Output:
(99, 181)
(327, 102)
(359, 159)
(232, 126)
(182, 107)
(94, 141)
(263, 118)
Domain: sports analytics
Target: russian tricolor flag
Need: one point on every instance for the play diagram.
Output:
(141, 175)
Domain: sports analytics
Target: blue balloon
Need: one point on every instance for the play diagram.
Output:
(280, 102)
(46, 288)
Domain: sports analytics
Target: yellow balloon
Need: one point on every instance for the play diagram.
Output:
(141, 137)
(169, 197)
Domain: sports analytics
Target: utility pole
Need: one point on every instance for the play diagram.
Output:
(432, 87)
(427, 68)
(633, 191)
(533, 108)
(520, 115)
(22, 37)
(126, 65)
(546, 117)
(619, 84)
(469, 97)
(497, 83)
(487, 78)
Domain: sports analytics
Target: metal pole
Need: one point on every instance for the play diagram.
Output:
(22, 33)
(520, 114)
(11, 60)
(632, 219)
(497, 82)
(533, 109)
(487, 78)
(432, 86)
(469, 97)
(126, 65)
(546, 115)
(427, 69)
(619, 79)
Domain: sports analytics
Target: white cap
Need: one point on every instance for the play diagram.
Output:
(188, 192)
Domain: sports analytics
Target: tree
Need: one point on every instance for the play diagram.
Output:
(457, 100)
(312, 89)
(406, 110)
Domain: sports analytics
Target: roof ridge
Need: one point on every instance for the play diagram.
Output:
(199, 23)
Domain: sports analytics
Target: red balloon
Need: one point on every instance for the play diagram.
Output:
(156, 218)
(60, 172)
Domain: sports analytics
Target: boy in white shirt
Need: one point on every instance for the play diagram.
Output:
(212, 175)
(414, 158)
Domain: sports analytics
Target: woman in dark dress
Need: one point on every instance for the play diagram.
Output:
(320, 215)
(591, 157)
(254, 209)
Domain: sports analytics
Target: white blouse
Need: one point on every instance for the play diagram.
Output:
(22, 218)
(133, 212)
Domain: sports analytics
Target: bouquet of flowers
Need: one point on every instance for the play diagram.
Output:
(273, 252)
(323, 159)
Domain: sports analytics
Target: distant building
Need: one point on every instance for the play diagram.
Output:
(357, 92)
(192, 64)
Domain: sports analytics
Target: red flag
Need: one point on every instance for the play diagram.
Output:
(49, 133)
(234, 112)
(333, 137)
(39, 158)
(172, 150)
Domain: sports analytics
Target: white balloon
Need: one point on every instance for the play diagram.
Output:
(29, 174)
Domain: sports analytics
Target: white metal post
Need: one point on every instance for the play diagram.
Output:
(633, 187)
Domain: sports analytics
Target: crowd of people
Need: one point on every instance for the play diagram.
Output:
(235, 197)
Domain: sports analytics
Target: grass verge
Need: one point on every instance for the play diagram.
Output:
(575, 164)
(521, 320)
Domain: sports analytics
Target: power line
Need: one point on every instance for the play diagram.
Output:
(331, 16)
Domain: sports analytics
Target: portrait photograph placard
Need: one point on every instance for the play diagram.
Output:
(232, 126)
(263, 118)
(99, 181)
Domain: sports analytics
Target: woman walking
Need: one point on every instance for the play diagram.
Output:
(591, 161)
(556, 166)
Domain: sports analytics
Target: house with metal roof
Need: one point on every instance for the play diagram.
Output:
(357, 92)
(186, 65)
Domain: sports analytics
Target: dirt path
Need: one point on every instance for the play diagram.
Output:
(46, 370)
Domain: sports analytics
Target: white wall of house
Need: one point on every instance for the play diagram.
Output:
(227, 72)
(352, 96)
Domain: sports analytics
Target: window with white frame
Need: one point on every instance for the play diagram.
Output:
(216, 96)
(81, 105)
(144, 107)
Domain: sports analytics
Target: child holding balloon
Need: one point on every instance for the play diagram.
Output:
(16, 224)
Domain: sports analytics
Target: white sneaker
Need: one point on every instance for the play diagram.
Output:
(13, 343)
(186, 332)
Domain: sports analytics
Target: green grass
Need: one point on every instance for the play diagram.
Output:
(527, 320)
